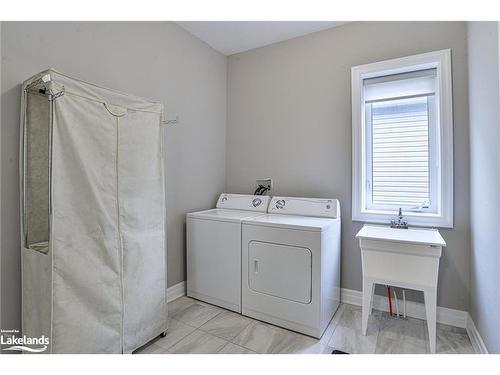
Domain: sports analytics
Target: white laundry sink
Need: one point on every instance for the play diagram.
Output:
(411, 235)
(406, 258)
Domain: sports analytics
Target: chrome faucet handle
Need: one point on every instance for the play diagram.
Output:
(401, 223)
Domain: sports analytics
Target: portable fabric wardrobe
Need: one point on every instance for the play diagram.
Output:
(93, 216)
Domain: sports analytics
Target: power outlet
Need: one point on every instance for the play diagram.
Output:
(267, 182)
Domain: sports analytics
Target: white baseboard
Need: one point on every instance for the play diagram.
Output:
(445, 315)
(475, 337)
(176, 291)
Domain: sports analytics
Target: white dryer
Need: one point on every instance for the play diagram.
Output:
(214, 249)
(291, 264)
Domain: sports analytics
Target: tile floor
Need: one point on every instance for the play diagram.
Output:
(197, 327)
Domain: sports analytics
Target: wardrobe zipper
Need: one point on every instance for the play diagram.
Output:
(51, 224)
(120, 240)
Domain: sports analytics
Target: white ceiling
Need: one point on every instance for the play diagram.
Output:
(231, 37)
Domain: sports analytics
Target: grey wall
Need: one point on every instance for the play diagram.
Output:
(157, 61)
(484, 107)
(289, 118)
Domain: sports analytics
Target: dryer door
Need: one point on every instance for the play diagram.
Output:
(282, 271)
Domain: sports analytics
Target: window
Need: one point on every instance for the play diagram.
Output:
(402, 140)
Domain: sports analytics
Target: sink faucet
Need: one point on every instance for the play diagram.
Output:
(401, 223)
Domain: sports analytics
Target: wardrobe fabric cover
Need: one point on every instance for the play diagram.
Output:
(97, 284)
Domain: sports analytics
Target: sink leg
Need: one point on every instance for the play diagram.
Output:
(430, 296)
(368, 289)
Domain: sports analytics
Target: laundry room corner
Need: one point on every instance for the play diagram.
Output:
(172, 67)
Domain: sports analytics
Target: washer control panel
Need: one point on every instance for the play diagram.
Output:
(256, 202)
(319, 207)
(243, 202)
(280, 204)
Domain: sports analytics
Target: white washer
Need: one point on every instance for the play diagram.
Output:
(291, 264)
(214, 249)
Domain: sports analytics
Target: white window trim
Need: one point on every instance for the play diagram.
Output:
(441, 60)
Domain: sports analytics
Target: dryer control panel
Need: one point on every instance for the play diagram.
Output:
(318, 207)
(258, 203)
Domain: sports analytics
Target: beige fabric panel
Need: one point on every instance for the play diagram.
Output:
(37, 289)
(142, 227)
(87, 294)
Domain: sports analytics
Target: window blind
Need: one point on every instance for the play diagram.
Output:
(417, 83)
(398, 122)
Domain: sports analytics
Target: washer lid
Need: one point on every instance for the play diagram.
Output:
(220, 214)
(257, 203)
(306, 223)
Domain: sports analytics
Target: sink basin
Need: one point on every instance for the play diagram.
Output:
(419, 236)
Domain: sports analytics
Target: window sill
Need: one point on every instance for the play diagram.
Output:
(414, 219)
